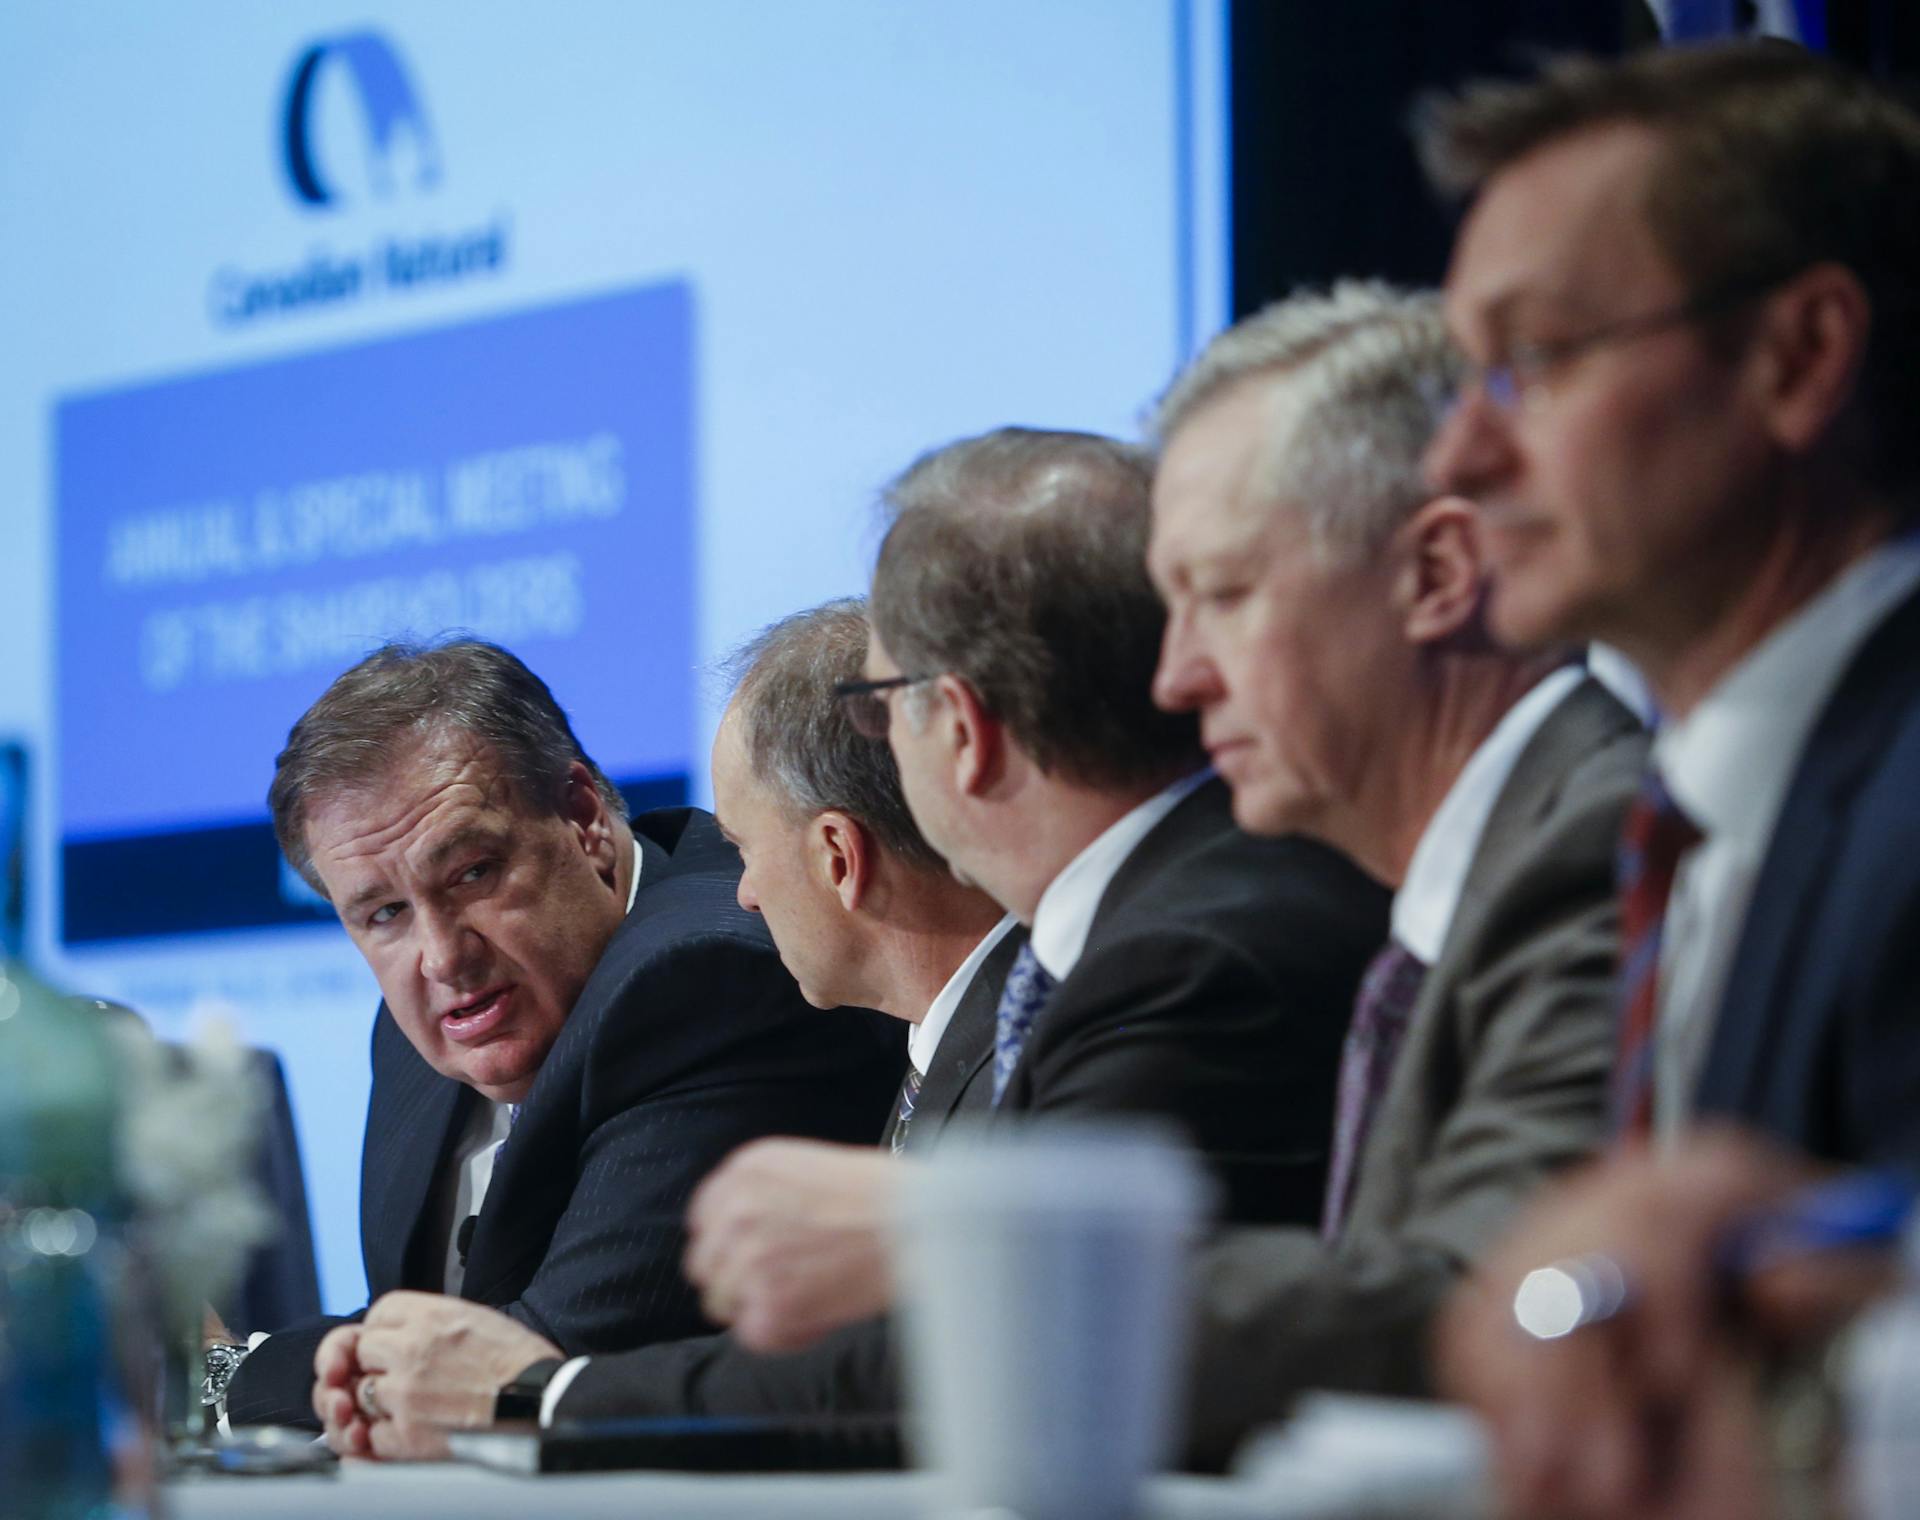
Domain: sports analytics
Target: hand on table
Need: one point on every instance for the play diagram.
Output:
(420, 1364)
(1651, 1412)
(787, 1240)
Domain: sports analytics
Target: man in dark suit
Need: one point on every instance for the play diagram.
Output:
(862, 912)
(1324, 619)
(1175, 966)
(578, 1019)
(1687, 281)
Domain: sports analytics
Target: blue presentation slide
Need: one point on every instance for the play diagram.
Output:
(592, 328)
(231, 541)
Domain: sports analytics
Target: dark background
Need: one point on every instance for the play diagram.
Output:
(1325, 182)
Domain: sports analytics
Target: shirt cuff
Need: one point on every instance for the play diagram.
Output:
(557, 1387)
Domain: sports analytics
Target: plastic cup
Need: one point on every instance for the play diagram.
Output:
(1042, 1276)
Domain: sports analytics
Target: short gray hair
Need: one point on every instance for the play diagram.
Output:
(1017, 560)
(1373, 370)
(799, 739)
(402, 693)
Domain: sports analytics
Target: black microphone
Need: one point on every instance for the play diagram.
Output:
(463, 1237)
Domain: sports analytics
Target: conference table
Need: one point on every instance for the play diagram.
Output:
(1339, 1459)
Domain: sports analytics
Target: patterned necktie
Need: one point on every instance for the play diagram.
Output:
(903, 1111)
(1656, 835)
(1028, 987)
(1387, 995)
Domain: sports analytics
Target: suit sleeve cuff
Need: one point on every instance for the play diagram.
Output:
(220, 1421)
(557, 1387)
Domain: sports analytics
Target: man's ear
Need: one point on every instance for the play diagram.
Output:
(1441, 579)
(1812, 336)
(592, 823)
(843, 853)
(974, 736)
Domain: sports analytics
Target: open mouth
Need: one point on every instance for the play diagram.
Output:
(477, 1019)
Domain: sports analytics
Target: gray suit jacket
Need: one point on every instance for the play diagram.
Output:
(1501, 1079)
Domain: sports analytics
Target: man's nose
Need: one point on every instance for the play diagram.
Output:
(1473, 448)
(744, 894)
(449, 947)
(1186, 676)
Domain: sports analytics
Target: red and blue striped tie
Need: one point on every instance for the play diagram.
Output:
(1656, 836)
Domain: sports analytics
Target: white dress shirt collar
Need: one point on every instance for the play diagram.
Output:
(1065, 914)
(1729, 761)
(1424, 907)
(1729, 765)
(633, 887)
(924, 1038)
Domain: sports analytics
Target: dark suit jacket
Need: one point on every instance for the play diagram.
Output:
(689, 1039)
(1214, 990)
(1502, 1078)
(847, 1370)
(952, 1084)
(1817, 1041)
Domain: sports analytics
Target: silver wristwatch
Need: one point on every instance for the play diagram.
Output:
(222, 1361)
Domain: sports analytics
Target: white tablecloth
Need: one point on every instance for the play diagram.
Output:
(1341, 1460)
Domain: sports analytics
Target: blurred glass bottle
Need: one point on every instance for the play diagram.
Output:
(63, 1424)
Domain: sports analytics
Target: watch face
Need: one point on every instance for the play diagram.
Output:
(220, 1362)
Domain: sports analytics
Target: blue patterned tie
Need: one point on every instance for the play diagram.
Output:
(1028, 987)
(903, 1110)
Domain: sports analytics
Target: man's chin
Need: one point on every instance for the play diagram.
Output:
(501, 1071)
(1527, 614)
(1265, 809)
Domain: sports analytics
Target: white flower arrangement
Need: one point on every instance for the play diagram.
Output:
(190, 1124)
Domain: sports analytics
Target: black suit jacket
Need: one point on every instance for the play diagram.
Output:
(952, 1084)
(689, 1039)
(1214, 990)
(1817, 1041)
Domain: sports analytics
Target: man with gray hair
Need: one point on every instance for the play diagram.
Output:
(1325, 621)
(1175, 966)
(577, 1020)
(863, 913)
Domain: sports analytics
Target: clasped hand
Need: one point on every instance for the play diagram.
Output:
(418, 1365)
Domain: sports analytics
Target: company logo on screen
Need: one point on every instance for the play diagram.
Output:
(355, 132)
(353, 88)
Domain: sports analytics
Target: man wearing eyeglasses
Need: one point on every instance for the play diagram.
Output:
(1687, 283)
(1175, 966)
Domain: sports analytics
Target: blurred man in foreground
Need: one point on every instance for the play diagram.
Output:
(1686, 284)
(862, 912)
(1175, 966)
(1326, 622)
(577, 1019)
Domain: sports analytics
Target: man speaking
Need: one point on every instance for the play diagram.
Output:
(578, 1020)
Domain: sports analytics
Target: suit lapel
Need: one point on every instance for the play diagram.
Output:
(1851, 735)
(967, 1046)
(1587, 719)
(408, 1139)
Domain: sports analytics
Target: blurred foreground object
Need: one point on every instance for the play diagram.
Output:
(1882, 1399)
(124, 1204)
(61, 1207)
(1042, 1271)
